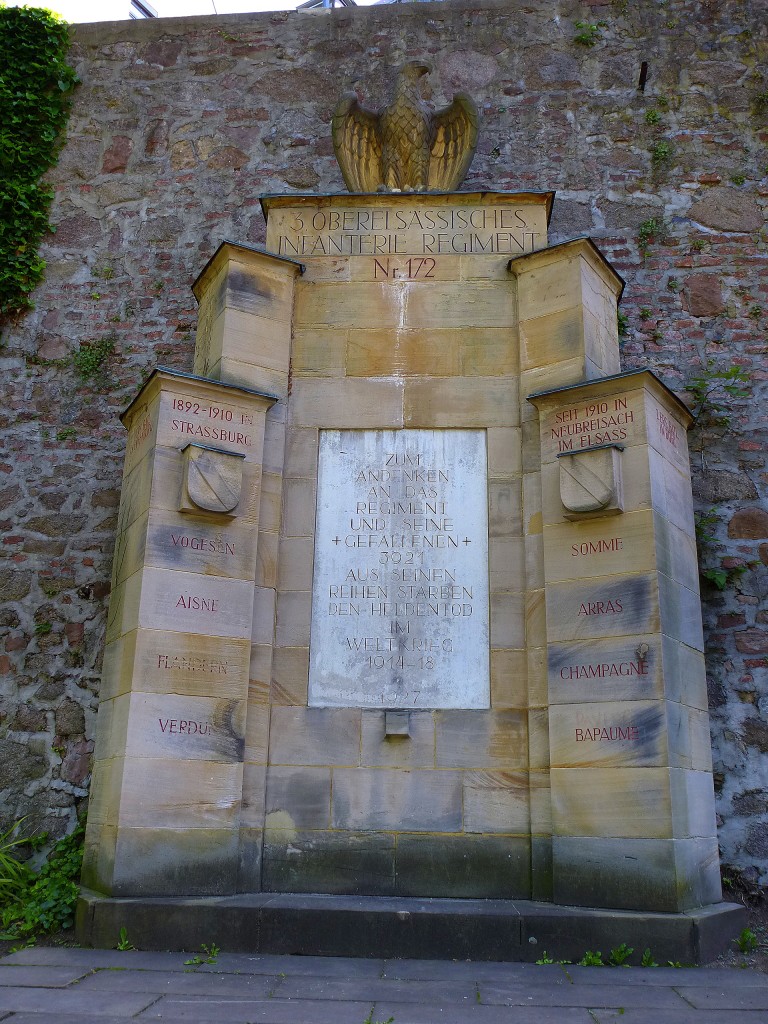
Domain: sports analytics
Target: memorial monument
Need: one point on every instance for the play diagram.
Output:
(405, 596)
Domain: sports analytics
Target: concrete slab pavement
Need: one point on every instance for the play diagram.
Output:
(57, 985)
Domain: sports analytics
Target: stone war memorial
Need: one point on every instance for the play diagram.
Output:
(409, 484)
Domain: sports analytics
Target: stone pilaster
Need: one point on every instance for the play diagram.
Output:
(168, 773)
(631, 772)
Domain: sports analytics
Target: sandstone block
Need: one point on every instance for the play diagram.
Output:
(377, 353)
(552, 337)
(347, 403)
(298, 798)
(194, 794)
(540, 798)
(601, 341)
(290, 675)
(123, 614)
(266, 559)
(450, 402)
(610, 733)
(194, 544)
(680, 611)
(274, 438)
(671, 489)
(599, 547)
(190, 728)
(664, 875)
(506, 563)
(504, 509)
(328, 861)
(166, 861)
(591, 483)
(703, 295)
(191, 602)
(385, 799)
(464, 866)
(481, 739)
(489, 352)
(106, 785)
(496, 802)
(263, 621)
(621, 669)
(748, 524)
(251, 375)
(294, 613)
(301, 445)
(535, 618)
(260, 669)
(727, 209)
(601, 607)
(504, 452)
(298, 508)
(208, 415)
(315, 736)
(508, 679)
(261, 339)
(537, 675)
(591, 418)
(295, 565)
(634, 802)
(507, 620)
(254, 793)
(693, 804)
(667, 426)
(256, 746)
(561, 374)
(676, 553)
(684, 674)
(539, 756)
(270, 502)
(414, 750)
(398, 272)
(166, 486)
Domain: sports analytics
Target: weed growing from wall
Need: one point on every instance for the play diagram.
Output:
(713, 390)
(588, 34)
(91, 356)
(36, 85)
(649, 232)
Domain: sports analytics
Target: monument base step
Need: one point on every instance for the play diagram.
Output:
(395, 927)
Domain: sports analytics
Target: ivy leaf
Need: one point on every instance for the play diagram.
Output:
(717, 576)
(33, 49)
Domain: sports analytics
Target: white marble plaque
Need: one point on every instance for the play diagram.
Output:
(400, 591)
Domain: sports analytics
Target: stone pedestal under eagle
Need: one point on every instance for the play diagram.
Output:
(405, 147)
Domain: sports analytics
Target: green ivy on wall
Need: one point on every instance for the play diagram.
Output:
(36, 85)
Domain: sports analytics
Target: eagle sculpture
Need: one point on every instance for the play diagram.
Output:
(405, 147)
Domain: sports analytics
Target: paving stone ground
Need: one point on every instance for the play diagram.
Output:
(96, 986)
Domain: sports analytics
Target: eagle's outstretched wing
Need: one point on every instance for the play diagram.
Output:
(357, 143)
(454, 138)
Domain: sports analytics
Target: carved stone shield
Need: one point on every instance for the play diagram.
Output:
(590, 482)
(212, 480)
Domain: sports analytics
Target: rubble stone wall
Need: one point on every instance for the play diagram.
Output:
(654, 137)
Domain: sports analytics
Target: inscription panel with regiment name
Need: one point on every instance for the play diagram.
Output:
(435, 230)
(400, 594)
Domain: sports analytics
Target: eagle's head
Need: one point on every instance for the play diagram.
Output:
(413, 70)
